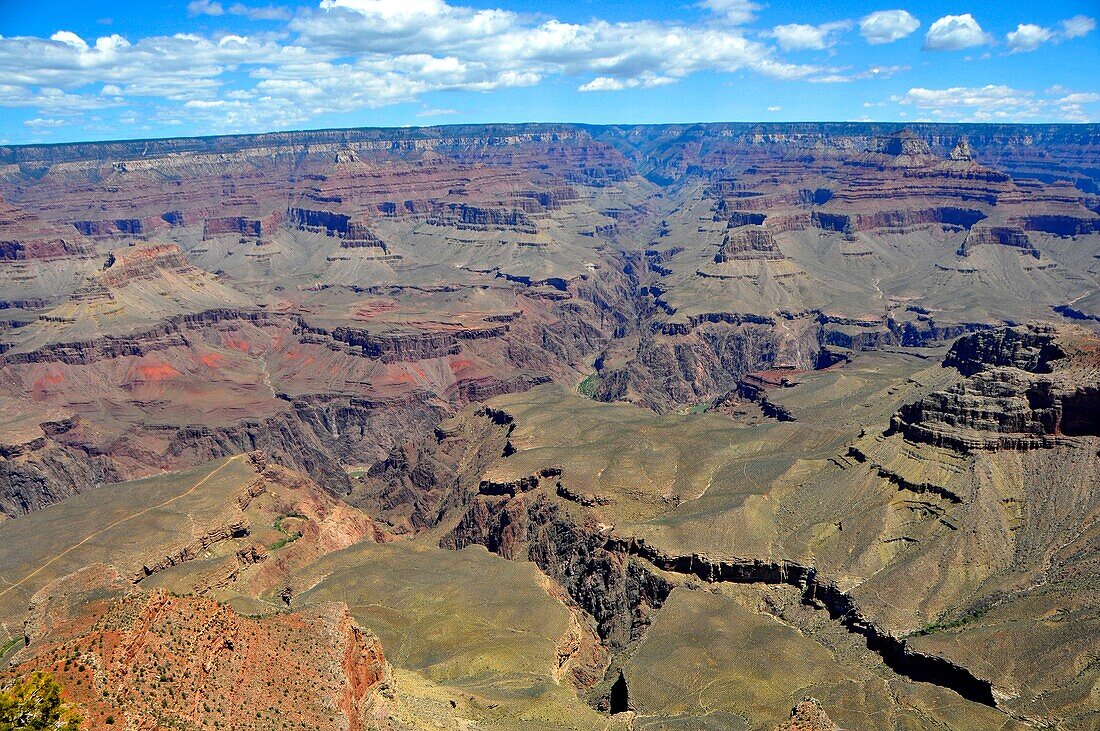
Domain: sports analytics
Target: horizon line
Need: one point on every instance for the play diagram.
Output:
(590, 125)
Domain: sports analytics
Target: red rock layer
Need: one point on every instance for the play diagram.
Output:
(137, 660)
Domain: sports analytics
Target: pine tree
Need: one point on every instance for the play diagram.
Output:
(34, 704)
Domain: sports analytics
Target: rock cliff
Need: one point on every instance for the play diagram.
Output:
(1025, 387)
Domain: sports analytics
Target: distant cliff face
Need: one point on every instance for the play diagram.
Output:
(325, 294)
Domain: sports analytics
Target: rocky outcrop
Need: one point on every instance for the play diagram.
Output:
(420, 480)
(754, 388)
(736, 218)
(962, 152)
(353, 234)
(598, 570)
(1025, 388)
(703, 359)
(902, 143)
(476, 218)
(808, 715)
(107, 229)
(748, 242)
(234, 526)
(395, 347)
(1062, 225)
(896, 219)
(1012, 236)
(192, 662)
(1032, 348)
(232, 225)
(127, 265)
(51, 474)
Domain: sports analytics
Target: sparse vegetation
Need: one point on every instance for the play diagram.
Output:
(284, 541)
(589, 386)
(288, 537)
(9, 644)
(970, 616)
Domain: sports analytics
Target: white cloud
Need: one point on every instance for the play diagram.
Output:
(607, 83)
(736, 12)
(436, 112)
(803, 37)
(39, 122)
(954, 33)
(69, 39)
(50, 100)
(775, 109)
(1080, 98)
(887, 26)
(960, 96)
(267, 12)
(184, 64)
(603, 83)
(998, 103)
(1078, 26)
(205, 7)
(843, 76)
(210, 7)
(345, 55)
(1028, 37)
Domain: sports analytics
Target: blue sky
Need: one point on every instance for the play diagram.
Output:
(108, 70)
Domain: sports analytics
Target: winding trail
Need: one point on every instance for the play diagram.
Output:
(120, 521)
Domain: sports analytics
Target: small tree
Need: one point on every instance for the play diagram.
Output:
(34, 704)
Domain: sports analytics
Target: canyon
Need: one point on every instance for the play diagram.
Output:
(556, 426)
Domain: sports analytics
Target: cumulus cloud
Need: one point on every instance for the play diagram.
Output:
(803, 37)
(1078, 26)
(344, 55)
(954, 33)
(887, 26)
(615, 55)
(1028, 37)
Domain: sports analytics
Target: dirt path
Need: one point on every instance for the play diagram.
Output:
(120, 521)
